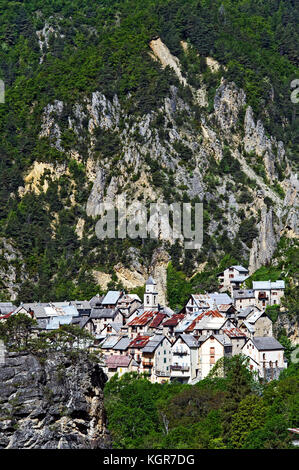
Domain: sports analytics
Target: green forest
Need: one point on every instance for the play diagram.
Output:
(103, 45)
(230, 412)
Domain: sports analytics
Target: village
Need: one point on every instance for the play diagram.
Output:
(151, 339)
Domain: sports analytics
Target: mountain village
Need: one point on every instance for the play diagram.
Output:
(148, 338)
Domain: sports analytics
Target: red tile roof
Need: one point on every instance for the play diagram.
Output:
(157, 320)
(118, 361)
(174, 320)
(210, 313)
(139, 342)
(234, 332)
(143, 319)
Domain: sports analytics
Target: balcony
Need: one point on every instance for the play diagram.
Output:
(180, 368)
(263, 296)
(147, 364)
(162, 373)
(180, 352)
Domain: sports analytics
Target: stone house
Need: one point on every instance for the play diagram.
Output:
(117, 364)
(243, 298)
(268, 353)
(232, 278)
(268, 293)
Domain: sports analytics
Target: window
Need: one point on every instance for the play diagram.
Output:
(147, 299)
(212, 351)
(164, 360)
(274, 293)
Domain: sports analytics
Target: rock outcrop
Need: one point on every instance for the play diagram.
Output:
(56, 403)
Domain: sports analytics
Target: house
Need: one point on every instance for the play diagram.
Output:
(171, 323)
(213, 348)
(237, 337)
(6, 308)
(243, 298)
(195, 303)
(108, 343)
(184, 362)
(267, 292)
(25, 311)
(111, 299)
(232, 277)
(103, 316)
(156, 358)
(136, 345)
(209, 322)
(227, 309)
(268, 353)
(84, 322)
(140, 324)
(128, 304)
(83, 307)
(96, 301)
(259, 321)
(117, 364)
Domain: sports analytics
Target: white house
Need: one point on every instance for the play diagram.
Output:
(211, 350)
(267, 292)
(156, 358)
(184, 364)
(232, 277)
(267, 352)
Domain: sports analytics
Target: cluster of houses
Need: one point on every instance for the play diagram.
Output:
(184, 346)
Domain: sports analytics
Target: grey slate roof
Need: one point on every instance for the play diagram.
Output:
(240, 268)
(266, 343)
(103, 312)
(220, 298)
(122, 344)
(150, 281)
(245, 312)
(189, 340)
(244, 294)
(111, 297)
(96, 300)
(153, 343)
(268, 285)
(223, 339)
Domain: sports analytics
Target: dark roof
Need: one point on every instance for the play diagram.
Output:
(266, 343)
(103, 312)
(174, 320)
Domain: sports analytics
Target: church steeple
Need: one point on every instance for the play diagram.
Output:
(151, 295)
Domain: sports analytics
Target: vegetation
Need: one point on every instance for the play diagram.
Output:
(104, 46)
(233, 411)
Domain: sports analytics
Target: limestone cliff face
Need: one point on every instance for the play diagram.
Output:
(53, 404)
(225, 121)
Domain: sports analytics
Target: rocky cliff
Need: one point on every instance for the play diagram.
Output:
(56, 403)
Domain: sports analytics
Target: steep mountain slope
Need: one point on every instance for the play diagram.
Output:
(158, 101)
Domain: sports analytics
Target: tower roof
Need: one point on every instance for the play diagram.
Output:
(150, 281)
